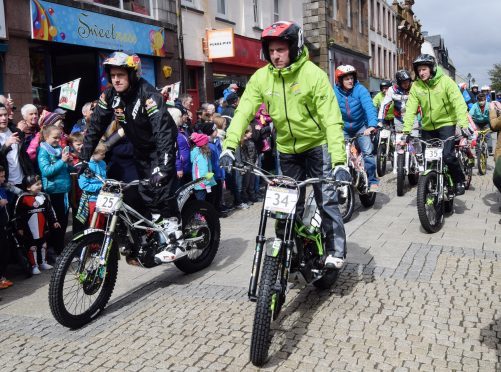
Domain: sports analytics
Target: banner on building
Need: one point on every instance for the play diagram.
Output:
(69, 94)
(220, 43)
(65, 24)
(173, 92)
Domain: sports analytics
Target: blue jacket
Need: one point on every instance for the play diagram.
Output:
(215, 151)
(201, 166)
(479, 116)
(92, 185)
(55, 172)
(467, 97)
(356, 107)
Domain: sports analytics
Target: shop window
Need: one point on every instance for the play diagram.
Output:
(142, 7)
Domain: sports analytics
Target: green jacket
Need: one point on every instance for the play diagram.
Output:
(378, 100)
(441, 102)
(302, 105)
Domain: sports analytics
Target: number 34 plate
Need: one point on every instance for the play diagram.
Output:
(280, 199)
(108, 203)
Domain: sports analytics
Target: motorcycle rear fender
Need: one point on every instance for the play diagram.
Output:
(86, 232)
(273, 247)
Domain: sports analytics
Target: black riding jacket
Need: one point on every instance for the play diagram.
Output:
(147, 124)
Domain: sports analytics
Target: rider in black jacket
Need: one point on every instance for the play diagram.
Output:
(142, 114)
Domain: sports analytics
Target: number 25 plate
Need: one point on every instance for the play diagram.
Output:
(279, 199)
(108, 203)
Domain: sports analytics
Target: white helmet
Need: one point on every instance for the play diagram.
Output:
(485, 88)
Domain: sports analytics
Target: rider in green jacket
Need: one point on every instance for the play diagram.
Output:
(442, 108)
(308, 123)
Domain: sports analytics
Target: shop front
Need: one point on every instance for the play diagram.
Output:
(68, 43)
(237, 69)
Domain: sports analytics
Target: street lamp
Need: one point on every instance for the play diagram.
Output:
(469, 80)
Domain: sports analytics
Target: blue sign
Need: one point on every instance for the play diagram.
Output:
(64, 24)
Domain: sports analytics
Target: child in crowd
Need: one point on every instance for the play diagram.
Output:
(201, 165)
(47, 119)
(91, 186)
(55, 165)
(4, 220)
(33, 211)
(248, 154)
(75, 141)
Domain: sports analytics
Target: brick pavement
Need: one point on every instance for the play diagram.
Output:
(405, 301)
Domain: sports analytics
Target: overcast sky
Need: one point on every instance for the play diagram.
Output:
(471, 31)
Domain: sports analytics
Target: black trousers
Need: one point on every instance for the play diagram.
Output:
(317, 163)
(155, 198)
(56, 238)
(448, 152)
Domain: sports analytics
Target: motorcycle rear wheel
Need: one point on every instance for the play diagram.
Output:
(326, 281)
(77, 294)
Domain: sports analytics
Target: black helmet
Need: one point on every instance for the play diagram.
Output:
(401, 76)
(384, 84)
(286, 31)
(131, 62)
(426, 60)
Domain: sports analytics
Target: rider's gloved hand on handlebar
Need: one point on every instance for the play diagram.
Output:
(341, 173)
(227, 158)
(466, 132)
(158, 175)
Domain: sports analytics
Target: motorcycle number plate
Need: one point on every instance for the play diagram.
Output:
(385, 133)
(280, 199)
(108, 202)
(433, 153)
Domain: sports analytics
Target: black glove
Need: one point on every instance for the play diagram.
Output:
(466, 132)
(157, 177)
(342, 173)
(82, 167)
(227, 158)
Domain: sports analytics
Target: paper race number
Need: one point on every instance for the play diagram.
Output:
(433, 153)
(385, 133)
(280, 199)
(108, 203)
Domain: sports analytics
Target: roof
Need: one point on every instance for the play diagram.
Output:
(435, 40)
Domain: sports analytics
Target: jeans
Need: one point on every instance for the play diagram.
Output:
(316, 162)
(366, 146)
(496, 177)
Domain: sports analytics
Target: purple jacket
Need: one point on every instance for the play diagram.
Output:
(183, 162)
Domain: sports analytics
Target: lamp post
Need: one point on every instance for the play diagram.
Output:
(469, 80)
(473, 81)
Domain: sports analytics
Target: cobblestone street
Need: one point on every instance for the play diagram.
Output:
(405, 301)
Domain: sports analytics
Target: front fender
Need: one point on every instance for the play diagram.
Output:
(84, 233)
(273, 247)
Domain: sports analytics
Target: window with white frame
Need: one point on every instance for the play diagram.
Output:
(221, 8)
(276, 12)
(334, 9)
(190, 3)
(348, 13)
(255, 12)
(142, 7)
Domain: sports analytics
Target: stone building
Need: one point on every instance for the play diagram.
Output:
(49, 43)
(409, 34)
(382, 43)
(337, 33)
(435, 45)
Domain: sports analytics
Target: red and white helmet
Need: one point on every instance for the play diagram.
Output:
(344, 70)
(286, 31)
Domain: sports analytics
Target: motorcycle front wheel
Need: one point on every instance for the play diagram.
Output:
(430, 209)
(80, 287)
(381, 159)
(482, 160)
(267, 303)
(400, 174)
(346, 203)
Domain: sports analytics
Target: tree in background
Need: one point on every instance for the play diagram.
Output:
(495, 75)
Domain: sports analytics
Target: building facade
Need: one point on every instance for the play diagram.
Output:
(61, 40)
(409, 36)
(435, 45)
(337, 33)
(382, 43)
(207, 78)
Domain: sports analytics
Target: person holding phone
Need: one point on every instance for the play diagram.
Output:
(16, 162)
